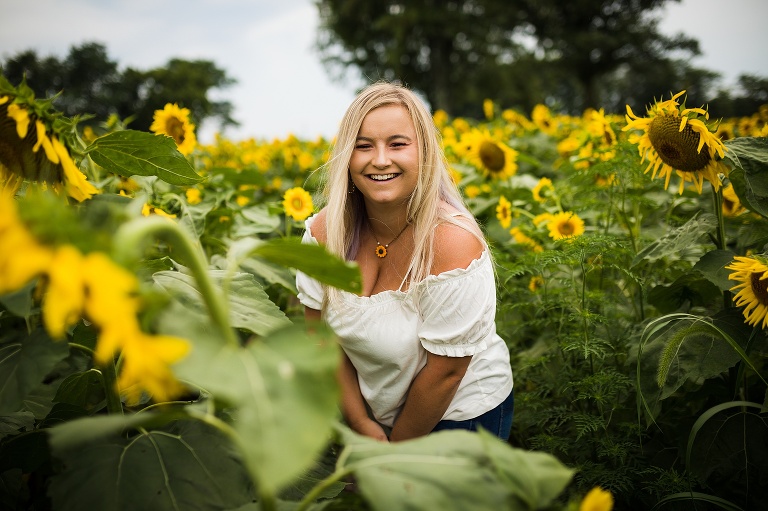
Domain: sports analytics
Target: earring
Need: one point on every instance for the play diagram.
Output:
(352, 188)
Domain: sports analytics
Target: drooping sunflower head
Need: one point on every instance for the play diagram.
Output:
(677, 139)
(297, 203)
(543, 190)
(751, 273)
(493, 158)
(543, 119)
(35, 146)
(174, 122)
(564, 225)
(732, 206)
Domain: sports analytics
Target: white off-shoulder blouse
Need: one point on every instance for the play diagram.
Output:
(387, 335)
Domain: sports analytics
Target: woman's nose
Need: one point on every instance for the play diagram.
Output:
(381, 159)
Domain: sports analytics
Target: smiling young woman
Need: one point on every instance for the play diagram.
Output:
(420, 352)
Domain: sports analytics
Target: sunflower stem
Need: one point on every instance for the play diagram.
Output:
(128, 242)
(717, 200)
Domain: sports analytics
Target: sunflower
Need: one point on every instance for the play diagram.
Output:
(565, 225)
(732, 206)
(543, 190)
(174, 122)
(597, 500)
(675, 138)
(298, 203)
(504, 212)
(752, 275)
(22, 134)
(536, 283)
(493, 158)
(523, 239)
(542, 118)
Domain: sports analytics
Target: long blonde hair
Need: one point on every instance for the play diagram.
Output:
(345, 210)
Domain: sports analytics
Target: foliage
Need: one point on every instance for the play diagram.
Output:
(87, 82)
(571, 54)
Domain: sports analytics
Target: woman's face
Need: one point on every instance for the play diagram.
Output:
(385, 160)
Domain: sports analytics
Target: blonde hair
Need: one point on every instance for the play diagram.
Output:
(345, 210)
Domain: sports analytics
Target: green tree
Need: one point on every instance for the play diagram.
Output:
(568, 54)
(449, 51)
(88, 82)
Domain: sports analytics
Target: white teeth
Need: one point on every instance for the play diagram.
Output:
(382, 177)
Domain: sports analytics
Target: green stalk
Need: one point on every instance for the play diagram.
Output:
(108, 379)
(128, 242)
(717, 200)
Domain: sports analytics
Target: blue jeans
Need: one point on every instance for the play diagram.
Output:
(497, 421)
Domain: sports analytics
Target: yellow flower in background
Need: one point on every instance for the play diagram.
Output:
(543, 190)
(490, 156)
(516, 119)
(174, 122)
(242, 200)
(194, 196)
(297, 203)
(536, 283)
(752, 275)
(565, 225)
(488, 109)
(597, 500)
(675, 139)
(504, 212)
(441, 118)
(732, 206)
(471, 191)
(147, 210)
(542, 118)
(523, 239)
(542, 218)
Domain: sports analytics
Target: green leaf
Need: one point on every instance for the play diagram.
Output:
(282, 389)
(677, 240)
(314, 260)
(186, 466)
(20, 302)
(454, 471)
(712, 266)
(255, 220)
(249, 305)
(130, 152)
(750, 154)
(689, 290)
(15, 423)
(85, 390)
(24, 362)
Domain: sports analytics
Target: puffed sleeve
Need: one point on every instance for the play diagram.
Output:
(458, 310)
(310, 291)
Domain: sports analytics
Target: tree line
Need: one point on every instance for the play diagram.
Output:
(456, 53)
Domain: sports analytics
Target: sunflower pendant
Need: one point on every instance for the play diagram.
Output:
(381, 251)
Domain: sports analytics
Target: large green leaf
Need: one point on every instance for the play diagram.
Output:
(454, 470)
(314, 260)
(678, 239)
(130, 152)
(249, 305)
(748, 156)
(690, 290)
(712, 266)
(24, 362)
(185, 466)
(84, 389)
(282, 390)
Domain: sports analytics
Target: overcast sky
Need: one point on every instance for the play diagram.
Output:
(267, 46)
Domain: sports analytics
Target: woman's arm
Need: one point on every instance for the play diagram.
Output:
(352, 402)
(429, 396)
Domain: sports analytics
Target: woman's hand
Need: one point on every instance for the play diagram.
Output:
(370, 428)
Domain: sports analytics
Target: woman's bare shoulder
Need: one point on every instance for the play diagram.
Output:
(318, 227)
(455, 247)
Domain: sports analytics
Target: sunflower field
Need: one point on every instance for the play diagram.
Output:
(153, 354)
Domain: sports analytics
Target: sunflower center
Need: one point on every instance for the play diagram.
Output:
(566, 229)
(492, 156)
(175, 128)
(298, 203)
(677, 148)
(759, 287)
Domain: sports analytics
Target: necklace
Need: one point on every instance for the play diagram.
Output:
(381, 249)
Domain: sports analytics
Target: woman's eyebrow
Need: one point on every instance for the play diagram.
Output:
(391, 137)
